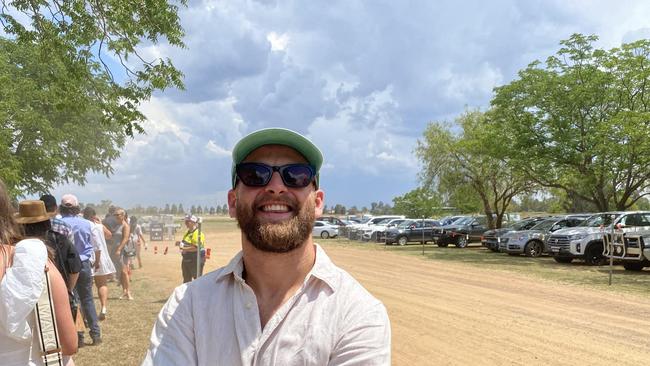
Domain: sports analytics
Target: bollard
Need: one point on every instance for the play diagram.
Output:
(155, 249)
(207, 253)
(166, 249)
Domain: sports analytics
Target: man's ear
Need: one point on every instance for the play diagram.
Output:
(319, 200)
(232, 203)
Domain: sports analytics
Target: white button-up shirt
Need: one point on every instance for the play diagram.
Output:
(214, 320)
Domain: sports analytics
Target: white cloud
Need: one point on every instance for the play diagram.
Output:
(279, 42)
(216, 150)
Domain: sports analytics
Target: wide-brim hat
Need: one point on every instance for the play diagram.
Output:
(276, 136)
(31, 212)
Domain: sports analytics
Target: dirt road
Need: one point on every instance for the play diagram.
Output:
(453, 314)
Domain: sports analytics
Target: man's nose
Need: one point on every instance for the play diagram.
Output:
(276, 185)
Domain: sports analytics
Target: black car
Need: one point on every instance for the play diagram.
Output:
(490, 239)
(411, 231)
(461, 232)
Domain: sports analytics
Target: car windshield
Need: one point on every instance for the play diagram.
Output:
(520, 225)
(405, 224)
(383, 221)
(600, 220)
(544, 225)
(463, 221)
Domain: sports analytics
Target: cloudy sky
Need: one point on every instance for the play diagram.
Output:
(362, 79)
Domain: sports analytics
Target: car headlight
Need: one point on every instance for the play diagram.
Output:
(522, 237)
(577, 236)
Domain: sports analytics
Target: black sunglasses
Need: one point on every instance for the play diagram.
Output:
(259, 174)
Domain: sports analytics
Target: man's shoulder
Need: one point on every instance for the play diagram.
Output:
(59, 221)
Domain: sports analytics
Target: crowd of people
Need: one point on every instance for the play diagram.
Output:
(74, 249)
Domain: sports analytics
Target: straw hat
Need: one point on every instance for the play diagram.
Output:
(31, 211)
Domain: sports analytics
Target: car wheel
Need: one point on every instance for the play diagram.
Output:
(373, 237)
(533, 249)
(402, 240)
(462, 241)
(563, 259)
(633, 266)
(325, 235)
(594, 255)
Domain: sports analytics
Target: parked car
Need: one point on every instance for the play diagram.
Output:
(411, 231)
(586, 240)
(333, 220)
(491, 238)
(356, 231)
(325, 230)
(629, 241)
(532, 242)
(461, 232)
(376, 233)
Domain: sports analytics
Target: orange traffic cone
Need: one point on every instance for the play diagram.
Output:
(207, 253)
(155, 249)
(166, 249)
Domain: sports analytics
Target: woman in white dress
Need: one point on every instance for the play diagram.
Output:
(22, 265)
(104, 267)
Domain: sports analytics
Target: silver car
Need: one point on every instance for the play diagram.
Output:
(532, 242)
(325, 230)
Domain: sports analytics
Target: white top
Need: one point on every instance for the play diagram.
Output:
(20, 289)
(98, 239)
(214, 320)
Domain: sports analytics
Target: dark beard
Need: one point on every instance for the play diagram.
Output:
(277, 237)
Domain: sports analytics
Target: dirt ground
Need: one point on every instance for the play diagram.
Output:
(454, 314)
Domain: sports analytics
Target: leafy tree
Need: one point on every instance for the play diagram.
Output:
(63, 113)
(339, 209)
(167, 209)
(224, 209)
(580, 122)
(174, 209)
(467, 163)
(353, 210)
(420, 202)
(181, 210)
(212, 210)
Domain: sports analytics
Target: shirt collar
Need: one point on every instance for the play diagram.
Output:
(323, 269)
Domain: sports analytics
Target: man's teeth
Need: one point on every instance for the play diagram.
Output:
(282, 208)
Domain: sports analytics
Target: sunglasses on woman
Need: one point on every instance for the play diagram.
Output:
(259, 174)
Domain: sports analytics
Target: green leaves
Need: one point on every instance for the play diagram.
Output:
(63, 113)
(465, 163)
(581, 120)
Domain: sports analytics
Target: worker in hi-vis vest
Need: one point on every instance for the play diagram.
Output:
(189, 245)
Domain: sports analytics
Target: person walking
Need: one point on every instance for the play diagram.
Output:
(136, 231)
(281, 300)
(103, 268)
(67, 259)
(122, 235)
(189, 246)
(23, 263)
(82, 231)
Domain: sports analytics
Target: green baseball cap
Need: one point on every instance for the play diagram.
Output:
(276, 136)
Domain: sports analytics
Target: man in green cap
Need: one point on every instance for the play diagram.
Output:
(281, 300)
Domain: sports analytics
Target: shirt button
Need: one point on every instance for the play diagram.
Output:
(249, 305)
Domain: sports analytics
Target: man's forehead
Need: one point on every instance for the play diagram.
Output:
(282, 153)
